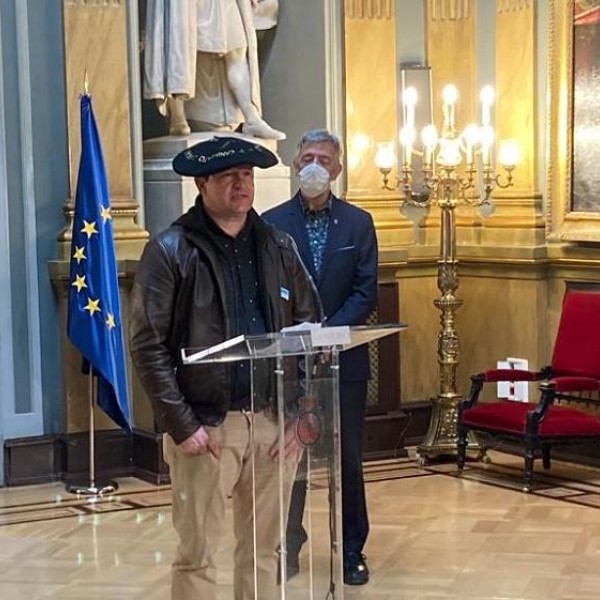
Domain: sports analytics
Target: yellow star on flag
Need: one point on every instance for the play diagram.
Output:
(110, 321)
(105, 214)
(89, 228)
(79, 282)
(92, 306)
(79, 254)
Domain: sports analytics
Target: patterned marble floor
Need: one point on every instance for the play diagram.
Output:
(434, 536)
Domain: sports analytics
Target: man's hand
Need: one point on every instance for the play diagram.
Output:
(200, 443)
(292, 447)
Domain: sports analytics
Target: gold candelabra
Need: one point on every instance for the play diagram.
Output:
(446, 182)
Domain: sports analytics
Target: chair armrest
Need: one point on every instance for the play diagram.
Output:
(572, 384)
(494, 375)
(550, 388)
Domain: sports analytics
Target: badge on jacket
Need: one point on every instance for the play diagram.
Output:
(284, 293)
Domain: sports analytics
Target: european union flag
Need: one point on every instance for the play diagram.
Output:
(94, 322)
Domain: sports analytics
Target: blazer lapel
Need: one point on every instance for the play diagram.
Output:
(333, 234)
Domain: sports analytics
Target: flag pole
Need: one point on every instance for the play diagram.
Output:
(91, 488)
(93, 317)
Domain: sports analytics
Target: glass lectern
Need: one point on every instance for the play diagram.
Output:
(294, 376)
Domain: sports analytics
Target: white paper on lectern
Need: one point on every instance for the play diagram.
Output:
(193, 358)
(330, 336)
(304, 326)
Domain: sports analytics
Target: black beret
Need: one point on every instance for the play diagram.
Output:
(220, 153)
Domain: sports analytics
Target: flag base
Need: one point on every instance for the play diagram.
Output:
(92, 489)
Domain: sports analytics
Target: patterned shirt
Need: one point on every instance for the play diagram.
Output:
(316, 223)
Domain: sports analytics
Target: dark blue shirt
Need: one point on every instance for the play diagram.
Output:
(240, 259)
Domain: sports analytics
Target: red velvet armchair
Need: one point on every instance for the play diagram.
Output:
(558, 417)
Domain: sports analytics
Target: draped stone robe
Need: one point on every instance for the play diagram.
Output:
(185, 43)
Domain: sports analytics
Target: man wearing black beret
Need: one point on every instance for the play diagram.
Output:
(218, 272)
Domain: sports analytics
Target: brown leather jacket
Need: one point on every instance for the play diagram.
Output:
(180, 300)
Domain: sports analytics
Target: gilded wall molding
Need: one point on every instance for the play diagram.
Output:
(368, 9)
(558, 71)
(506, 6)
(449, 10)
(563, 223)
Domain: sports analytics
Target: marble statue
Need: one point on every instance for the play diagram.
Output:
(201, 64)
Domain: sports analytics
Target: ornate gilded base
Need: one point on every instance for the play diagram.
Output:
(440, 440)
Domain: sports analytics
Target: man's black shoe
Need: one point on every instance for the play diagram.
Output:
(356, 571)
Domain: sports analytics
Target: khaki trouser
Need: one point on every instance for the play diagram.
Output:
(201, 486)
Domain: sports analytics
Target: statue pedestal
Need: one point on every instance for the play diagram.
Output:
(168, 195)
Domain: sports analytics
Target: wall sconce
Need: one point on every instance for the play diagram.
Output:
(454, 165)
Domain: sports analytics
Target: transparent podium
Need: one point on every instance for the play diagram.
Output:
(294, 378)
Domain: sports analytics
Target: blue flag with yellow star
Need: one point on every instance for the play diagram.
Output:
(94, 321)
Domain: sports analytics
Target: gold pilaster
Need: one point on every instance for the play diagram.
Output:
(95, 40)
(450, 29)
(371, 111)
(449, 10)
(518, 219)
(368, 9)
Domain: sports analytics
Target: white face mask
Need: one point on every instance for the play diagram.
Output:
(314, 180)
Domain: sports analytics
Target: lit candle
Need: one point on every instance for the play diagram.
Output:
(509, 154)
(410, 101)
(407, 139)
(449, 154)
(429, 137)
(487, 99)
(471, 137)
(450, 95)
(385, 157)
(487, 139)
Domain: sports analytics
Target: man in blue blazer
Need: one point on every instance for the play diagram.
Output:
(338, 245)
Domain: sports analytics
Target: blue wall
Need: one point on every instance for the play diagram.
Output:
(33, 140)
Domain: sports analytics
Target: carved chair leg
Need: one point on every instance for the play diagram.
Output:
(546, 456)
(461, 442)
(482, 455)
(528, 475)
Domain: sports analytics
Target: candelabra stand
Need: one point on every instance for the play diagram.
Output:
(446, 184)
